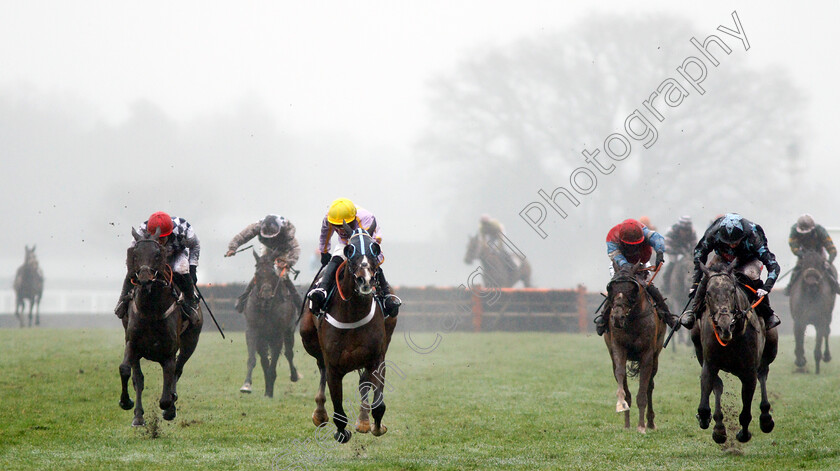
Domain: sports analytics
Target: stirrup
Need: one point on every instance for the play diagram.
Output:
(391, 304)
(772, 322)
(317, 297)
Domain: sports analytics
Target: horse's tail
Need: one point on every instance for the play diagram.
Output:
(633, 369)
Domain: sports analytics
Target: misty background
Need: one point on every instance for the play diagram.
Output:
(428, 116)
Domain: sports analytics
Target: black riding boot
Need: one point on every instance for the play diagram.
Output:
(293, 292)
(763, 309)
(390, 300)
(602, 320)
(662, 308)
(318, 294)
(243, 298)
(190, 306)
(122, 303)
(688, 318)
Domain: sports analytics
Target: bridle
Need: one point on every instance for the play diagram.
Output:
(155, 273)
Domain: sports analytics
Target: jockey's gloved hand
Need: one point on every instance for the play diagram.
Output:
(693, 288)
(660, 258)
(230, 253)
(761, 292)
(325, 259)
(194, 277)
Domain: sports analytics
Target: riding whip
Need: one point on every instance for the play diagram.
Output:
(201, 296)
(671, 334)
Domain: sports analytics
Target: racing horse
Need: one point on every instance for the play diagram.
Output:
(154, 327)
(29, 285)
(811, 302)
(731, 337)
(270, 318)
(636, 334)
(352, 334)
(499, 266)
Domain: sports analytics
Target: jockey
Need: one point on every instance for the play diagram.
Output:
(342, 211)
(732, 237)
(629, 243)
(177, 234)
(277, 235)
(808, 235)
(491, 232)
(679, 242)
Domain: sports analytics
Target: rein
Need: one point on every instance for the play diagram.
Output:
(337, 283)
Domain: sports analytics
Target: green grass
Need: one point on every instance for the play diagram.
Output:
(480, 401)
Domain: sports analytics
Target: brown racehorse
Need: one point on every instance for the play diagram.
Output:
(499, 266)
(811, 302)
(270, 316)
(154, 327)
(352, 335)
(731, 337)
(29, 285)
(636, 334)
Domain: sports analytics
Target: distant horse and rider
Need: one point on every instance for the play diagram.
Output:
(29, 286)
(500, 268)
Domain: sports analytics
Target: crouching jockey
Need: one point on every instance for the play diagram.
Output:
(732, 237)
(342, 211)
(632, 242)
(278, 236)
(178, 235)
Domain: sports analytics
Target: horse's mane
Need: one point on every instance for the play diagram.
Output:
(626, 271)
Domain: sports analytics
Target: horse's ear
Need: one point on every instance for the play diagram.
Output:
(731, 266)
(33, 248)
(157, 233)
(256, 257)
(637, 266)
(372, 228)
(135, 234)
(346, 227)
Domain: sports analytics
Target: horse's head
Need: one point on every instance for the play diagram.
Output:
(722, 299)
(147, 258)
(29, 257)
(472, 249)
(812, 264)
(624, 291)
(265, 277)
(362, 253)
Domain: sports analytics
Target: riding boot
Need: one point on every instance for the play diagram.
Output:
(602, 320)
(243, 298)
(293, 292)
(763, 309)
(662, 308)
(832, 276)
(688, 318)
(122, 303)
(318, 294)
(190, 306)
(390, 300)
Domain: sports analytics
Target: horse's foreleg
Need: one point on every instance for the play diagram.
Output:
(188, 343)
(827, 335)
(818, 351)
(719, 432)
(747, 391)
(262, 351)
(137, 378)
(125, 373)
(650, 413)
(645, 383)
(799, 339)
(167, 403)
(289, 346)
(271, 375)
(622, 391)
(765, 419)
(363, 421)
(31, 306)
(342, 435)
(38, 310)
(704, 412)
(319, 417)
(377, 379)
(250, 341)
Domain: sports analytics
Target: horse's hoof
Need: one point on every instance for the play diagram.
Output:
(296, 377)
(246, 388)
(767, 423)
(704, 423)
(800, 362)
(138, 422)
(362, 427)
(719, 435)
(319, 419)
(342, 436)
(379, 431)
(641, 429)
(743, 436)
(126, 405)
(169, 414)
(826, 357)
(622, 406)
(269, 395)
(651, 426)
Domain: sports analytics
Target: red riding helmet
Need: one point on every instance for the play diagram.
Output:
(630, 232)
(162, 221)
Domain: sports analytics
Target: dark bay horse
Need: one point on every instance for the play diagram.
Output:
(154, 326)
(270, 316)
(811, 302)
(636, 334)
(501, 267)
(731, 337)
(29, 285)
(352, 335)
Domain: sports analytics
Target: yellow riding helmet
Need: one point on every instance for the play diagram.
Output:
(341, 210)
